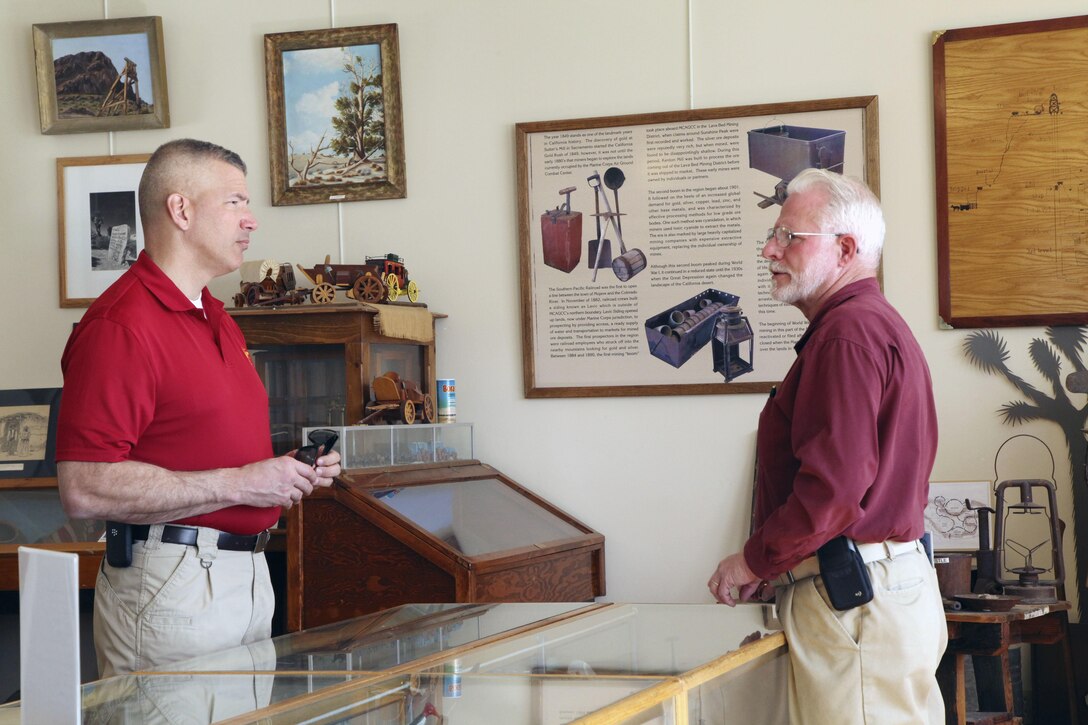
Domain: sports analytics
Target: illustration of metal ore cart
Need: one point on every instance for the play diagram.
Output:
(785, 151)
(679, 332)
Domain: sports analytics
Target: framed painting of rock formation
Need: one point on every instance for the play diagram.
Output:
(101, 75)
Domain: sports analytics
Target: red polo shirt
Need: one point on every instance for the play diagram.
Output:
(148, 377)
(847, 443)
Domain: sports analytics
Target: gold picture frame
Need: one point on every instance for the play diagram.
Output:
(98, 223)
(347, 147)
(129, 94)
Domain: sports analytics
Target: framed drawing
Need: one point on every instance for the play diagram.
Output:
(1010, 163)
(28, 428)
(954, 526)
(101, 75)
(99, 223)
(334, 115)
(640, 236)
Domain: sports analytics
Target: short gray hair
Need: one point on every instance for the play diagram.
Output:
(851, 208)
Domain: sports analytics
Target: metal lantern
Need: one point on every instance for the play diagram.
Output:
(731, 331)
(1027, 539)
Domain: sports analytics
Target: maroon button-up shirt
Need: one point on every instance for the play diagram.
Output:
(846, 443)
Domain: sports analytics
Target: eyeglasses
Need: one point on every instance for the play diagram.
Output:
(321, 442)
(785, 236)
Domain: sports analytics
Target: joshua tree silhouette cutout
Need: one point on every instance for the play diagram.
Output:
(987, 351)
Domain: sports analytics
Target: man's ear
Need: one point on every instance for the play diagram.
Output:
(180, 210)
(848, 249)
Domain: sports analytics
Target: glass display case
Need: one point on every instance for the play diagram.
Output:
(31, 514)
(370, 446)
(538, 664)
(317, 362)
(454, 532)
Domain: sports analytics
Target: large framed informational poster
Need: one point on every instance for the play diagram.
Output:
(640, 240)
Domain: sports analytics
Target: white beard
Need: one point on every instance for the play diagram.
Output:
(804, 285)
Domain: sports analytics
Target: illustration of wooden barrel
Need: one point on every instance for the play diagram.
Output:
(628, 264)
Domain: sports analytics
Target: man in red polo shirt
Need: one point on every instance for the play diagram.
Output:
(845, 448)
(164, 426)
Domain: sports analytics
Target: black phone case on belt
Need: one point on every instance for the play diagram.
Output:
(118, 544)
(845, 577)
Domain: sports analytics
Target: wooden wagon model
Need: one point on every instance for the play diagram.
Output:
(396, 399)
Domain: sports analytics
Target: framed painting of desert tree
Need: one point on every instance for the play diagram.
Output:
(101, 75)
(334, 115)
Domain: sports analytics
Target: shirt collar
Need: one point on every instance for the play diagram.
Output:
(862, 286)
(167, 293)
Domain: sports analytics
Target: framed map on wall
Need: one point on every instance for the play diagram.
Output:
(1012, 173)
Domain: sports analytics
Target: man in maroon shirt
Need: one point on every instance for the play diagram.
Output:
(164, 426)
(845, 448)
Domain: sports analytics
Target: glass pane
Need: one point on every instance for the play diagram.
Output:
(751, 693)
(477, 517)
(306, 387)
(630, 639)
(367, 446)
(383, 640)
(404, 360)
(36, 517)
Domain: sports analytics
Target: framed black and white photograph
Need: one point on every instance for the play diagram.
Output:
(28, 425)
(99, 223)
(334, 115)
(101, 75)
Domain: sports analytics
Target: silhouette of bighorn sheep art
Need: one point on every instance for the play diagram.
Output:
(987, 351)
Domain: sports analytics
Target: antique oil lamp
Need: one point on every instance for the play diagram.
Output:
(731, 331)
(1027, 540)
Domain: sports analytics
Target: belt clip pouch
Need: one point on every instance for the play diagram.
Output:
(845, 577)
(118, 544)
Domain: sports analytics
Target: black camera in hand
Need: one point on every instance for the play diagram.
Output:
(322, 441)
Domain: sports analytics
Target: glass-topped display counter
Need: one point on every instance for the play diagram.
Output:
(464, 665)
(451, 532)
(389, 640)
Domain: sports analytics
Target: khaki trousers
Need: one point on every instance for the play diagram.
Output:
(871, 665)
(177, 602)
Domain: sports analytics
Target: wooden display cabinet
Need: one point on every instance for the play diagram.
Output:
(444, 532)
(31, 515)
(317, 363)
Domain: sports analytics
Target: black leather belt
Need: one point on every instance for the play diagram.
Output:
(187, 535)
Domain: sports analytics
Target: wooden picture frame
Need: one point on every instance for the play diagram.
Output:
(1010, 231)
(700, 189)
(28, 432)
(954, 526)
(127, 72)
(315, 137)
(99, 228)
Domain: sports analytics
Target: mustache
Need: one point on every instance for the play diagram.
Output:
(778, 268)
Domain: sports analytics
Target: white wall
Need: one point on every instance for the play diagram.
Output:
(666, 479)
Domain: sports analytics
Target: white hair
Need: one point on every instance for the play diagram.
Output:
(852, 208)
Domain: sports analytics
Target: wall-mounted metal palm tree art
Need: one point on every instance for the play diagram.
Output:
(986, 350)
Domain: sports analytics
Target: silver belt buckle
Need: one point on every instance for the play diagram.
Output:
(262, 541)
